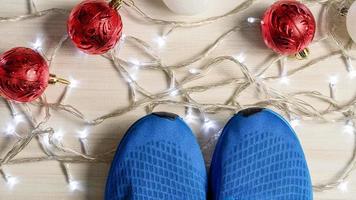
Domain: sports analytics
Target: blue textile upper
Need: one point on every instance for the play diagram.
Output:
(158, 158)
(258, 157)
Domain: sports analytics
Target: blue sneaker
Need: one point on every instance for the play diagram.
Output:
(258, 157)
(158, 158)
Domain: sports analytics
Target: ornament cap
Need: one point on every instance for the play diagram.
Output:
(53, 79)
(116, 3)
(302, 54)
(343, 11)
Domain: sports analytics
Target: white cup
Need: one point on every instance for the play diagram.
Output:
(187, 7)
(351, 21)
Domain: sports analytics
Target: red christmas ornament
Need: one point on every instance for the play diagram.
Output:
(23, 74)
(288, 27)
(94, 26)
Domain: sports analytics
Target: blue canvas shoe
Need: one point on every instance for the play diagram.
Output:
(258, 157)
(158, 158)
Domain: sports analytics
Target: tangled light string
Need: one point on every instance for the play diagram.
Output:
(291, 104)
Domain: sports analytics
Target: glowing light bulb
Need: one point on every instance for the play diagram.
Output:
(333, 80)
(83, 134)
(81, 54)
(174, 93)
(11, 181)
(74, 185)
(161, 41)
(284, 80)
(10, 129)
(209, 125)
(295, 122)
(343, 187)
(134, 76)
(45, 140)
(135, 63)
(128, 80)
(19, 118)
(190, 117)
(252, 20)
(349, 128)
(73, 83)
(241, 57)
(58, 136)
(194, 71)
(261, 77)
(37, 44)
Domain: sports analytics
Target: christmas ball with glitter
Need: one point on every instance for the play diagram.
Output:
(95, 26)
(288, 27)
(24, 74)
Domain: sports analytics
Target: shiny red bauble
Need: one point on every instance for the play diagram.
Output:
(288, 27)
(24, 74)
(94, 26)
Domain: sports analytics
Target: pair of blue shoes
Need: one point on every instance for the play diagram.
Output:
(257, 157)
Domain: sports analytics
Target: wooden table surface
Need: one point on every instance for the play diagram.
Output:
(101, 90)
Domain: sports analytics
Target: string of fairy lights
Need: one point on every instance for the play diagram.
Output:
(291, 105)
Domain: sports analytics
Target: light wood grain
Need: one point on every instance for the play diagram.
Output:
(101, 90)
